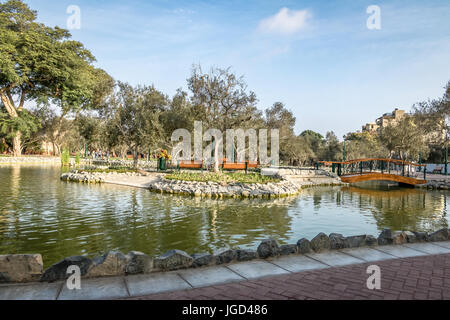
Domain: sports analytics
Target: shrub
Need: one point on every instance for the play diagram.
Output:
(77, 159)
(65, 157)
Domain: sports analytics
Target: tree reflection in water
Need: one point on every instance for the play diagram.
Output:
(41, 214)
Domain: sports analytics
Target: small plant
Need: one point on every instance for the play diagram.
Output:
(65, 157)
(78, 159)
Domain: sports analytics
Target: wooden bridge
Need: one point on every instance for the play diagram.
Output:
(403, 172)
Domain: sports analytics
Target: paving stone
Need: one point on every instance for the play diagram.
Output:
(299, 263)
(140, 285)
(368, 254)
(42, 291)
(445, 244)
(96, 289)
(209, 276)
(335, 259)
(403, 279)
(256, 269)
(400, 251)
(429, 248)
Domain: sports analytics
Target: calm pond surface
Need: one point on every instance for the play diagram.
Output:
(41, 214)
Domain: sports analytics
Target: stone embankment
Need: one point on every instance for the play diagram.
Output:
(292, 181)
(98, 177)
(29, 268)
(436, 184)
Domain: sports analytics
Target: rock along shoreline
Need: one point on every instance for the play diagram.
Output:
(292, 181)
(23, 268)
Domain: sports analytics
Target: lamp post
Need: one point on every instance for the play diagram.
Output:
(446, 159)
(345, 150)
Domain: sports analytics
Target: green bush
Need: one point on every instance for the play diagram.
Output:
(221, 177)
(65, 157)
(77, 159)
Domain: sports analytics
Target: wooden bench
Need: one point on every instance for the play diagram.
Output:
(190, 165)
(437, 170)
(239, 166)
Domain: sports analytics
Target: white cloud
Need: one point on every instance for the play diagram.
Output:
(285, 21)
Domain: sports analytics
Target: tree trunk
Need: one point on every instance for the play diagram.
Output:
(17, 144)
(135, 159)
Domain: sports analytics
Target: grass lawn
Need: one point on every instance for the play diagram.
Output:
(222, 177)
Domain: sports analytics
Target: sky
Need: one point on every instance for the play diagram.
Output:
(319, 58)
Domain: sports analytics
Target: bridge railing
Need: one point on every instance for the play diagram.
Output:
(375, 165)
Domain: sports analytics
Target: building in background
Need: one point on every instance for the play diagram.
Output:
(384, 121)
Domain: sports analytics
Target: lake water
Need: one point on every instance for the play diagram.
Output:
(41, 214)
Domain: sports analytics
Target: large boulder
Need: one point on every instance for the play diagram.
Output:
(245, 255)
(173, 260)
(268, 248)
(441, 235)
(304, 246)
(320, 242)
(355, 241)
(225, 256)
(371, 241)
(288, 249)
(110, 264)
(58, 271)
(337, 241)
(138, 262)
(20, 267)
(410, 237)
(421, 236)
(202, 259)
(385, 237)
(399, 237)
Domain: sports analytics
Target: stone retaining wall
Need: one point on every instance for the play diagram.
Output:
(94, 177)
(290, 185)
(438, 184)
(232, 190)
(29, 268)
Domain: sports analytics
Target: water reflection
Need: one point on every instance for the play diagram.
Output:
(41, 214)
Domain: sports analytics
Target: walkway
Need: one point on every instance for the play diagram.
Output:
(419, 271)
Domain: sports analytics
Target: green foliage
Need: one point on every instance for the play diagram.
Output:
(42, 64)
(77, 159)
(220, 177)
(26, 123)
(65, 157)
(136, 122)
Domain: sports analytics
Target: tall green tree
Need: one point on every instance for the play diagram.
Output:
(406, 139)
(136, 122)
(222, 101)
(40, 63)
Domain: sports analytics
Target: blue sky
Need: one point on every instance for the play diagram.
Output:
(317, 57)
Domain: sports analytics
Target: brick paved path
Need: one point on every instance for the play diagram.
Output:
(410, 278)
